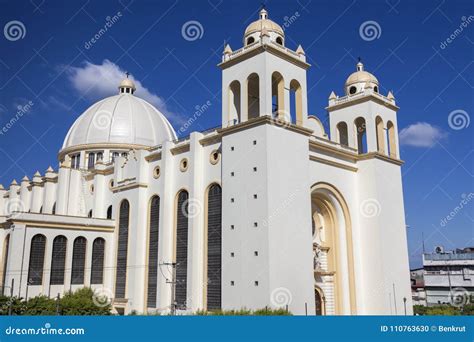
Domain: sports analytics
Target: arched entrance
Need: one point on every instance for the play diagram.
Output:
(332, 250)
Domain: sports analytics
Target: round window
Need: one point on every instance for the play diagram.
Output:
(214, 157)
(156, 172)
(183, 165)
(352, 90)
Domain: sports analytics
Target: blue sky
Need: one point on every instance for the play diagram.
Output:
(53, 71)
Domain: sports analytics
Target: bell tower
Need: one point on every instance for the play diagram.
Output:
(264, 78)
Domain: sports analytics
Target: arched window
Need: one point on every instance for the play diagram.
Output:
(122, 250)
(181, 248)
(35, 269)
(380, 134)
(78, 260)
(53, 211)
(392, 145)
(278, 97)
(89, 214)
(234, 103)
(58, 260)
(342, 133)
(376, 89)
(361, 135)
(214, 247)
(153, 244)
(297, 104)
(6, 247)
(91, 161)
(253, 96)
(41, 210)
(250, 40)
(279, 40)
(97, 265)
(109, 212)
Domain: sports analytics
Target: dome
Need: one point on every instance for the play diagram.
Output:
(120, 119)
(264, 23)
(360, 79)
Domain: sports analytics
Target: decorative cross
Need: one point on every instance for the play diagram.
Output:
(127, 73)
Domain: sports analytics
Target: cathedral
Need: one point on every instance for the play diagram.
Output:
(267, 210)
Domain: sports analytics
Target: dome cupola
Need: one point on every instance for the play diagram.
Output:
(360, 80)
(264, 26)
(121, 120)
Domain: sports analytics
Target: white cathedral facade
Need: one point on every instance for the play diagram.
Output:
(267, 210)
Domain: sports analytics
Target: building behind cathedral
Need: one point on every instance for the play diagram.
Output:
(267, 210)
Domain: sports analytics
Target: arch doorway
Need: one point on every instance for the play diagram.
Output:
(332, 251)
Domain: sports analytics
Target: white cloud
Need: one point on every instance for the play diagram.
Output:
(97, 81)
(421, 134)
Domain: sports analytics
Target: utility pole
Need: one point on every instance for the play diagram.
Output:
(11, 298)
(57, 305)
(173, 285)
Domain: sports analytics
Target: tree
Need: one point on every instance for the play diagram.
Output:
(81, 302)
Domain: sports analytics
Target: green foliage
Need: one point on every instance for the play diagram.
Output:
(40, 305)
(468, 310)
(245, 312)
(80, 303)
(419, 310)
(17, 305)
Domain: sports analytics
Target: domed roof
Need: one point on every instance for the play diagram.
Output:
(361, 76)
(120, 119)
(264, 23)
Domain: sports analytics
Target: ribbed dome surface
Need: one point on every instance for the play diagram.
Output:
(123, 119)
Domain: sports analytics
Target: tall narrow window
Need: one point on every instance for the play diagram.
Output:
(109, 212)
(97, 265)
(122, 250)
(35, 269)
(214, 247)
(91, 161)
(53, 211)
(78, 260)
(181, 248)
(380, 134)
(360, 128)
(342, 133)
(234, 103)
(58, 260)
(253, 96)
(6, 247)
(153, 243)
(392, 145)
(296, 99)
(278, 97)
